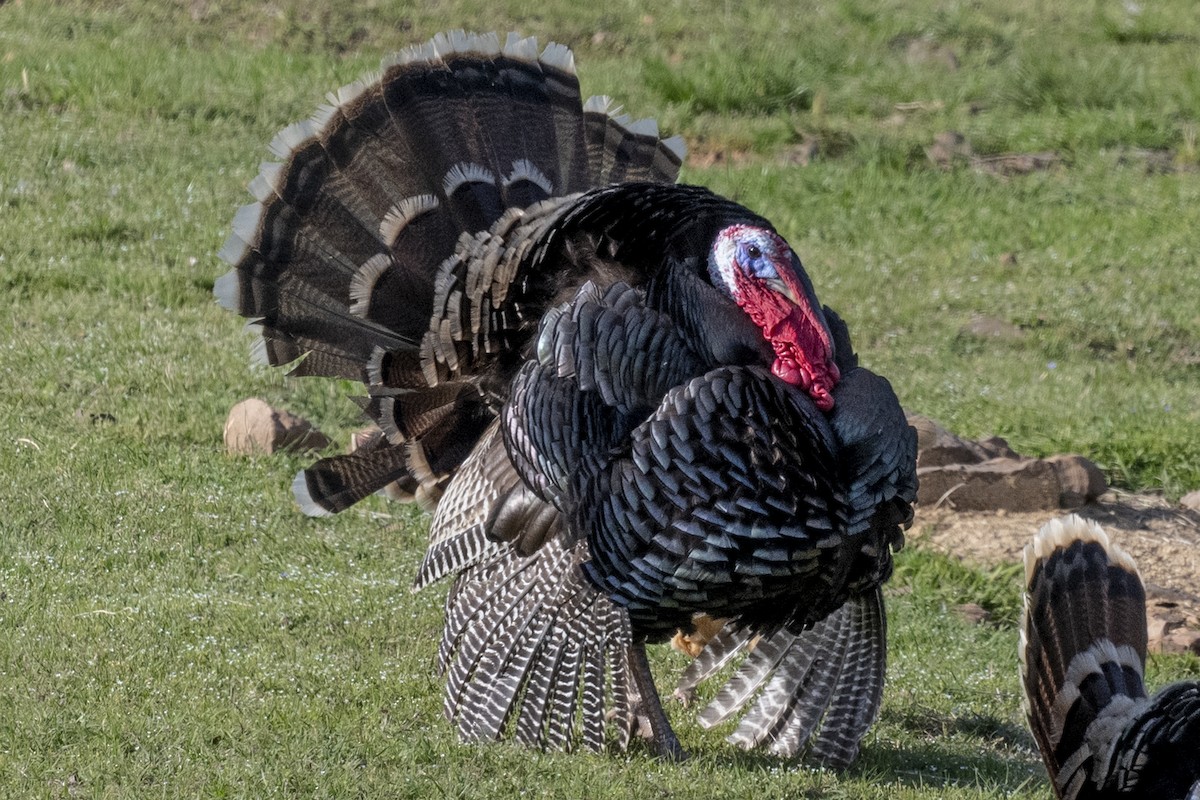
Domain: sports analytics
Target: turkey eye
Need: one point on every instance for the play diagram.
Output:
(754, 251)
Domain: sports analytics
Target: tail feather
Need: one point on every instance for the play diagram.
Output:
(385, 246)
(818, 690)
(718, 653)
(623, 150)
(338, 482)
(294, 251)
(374, 153)
(759, 666)
(1083, 649)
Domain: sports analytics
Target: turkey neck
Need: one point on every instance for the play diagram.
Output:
(720, 331)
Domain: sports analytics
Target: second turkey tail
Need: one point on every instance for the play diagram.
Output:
(384, 246)
(1083, 649)
(816, 692)
(1083, 655)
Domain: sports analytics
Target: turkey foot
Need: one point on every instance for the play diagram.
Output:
(648, 710)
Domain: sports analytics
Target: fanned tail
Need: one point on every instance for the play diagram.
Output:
(1083, 650)
(816, 691)
(384, 246)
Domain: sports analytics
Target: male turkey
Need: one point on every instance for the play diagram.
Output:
(1083, 656)
(620, 394)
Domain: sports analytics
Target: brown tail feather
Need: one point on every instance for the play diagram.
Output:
(384, 246)
(1083, 649)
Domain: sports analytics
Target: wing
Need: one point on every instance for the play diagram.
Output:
(817, 690)
(529, 649)
(877, 463)
(602, 361)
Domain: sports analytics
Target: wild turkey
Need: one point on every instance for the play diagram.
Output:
(1083, 656)
(620, 395)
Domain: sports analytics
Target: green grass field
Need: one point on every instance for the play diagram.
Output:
(170, 626)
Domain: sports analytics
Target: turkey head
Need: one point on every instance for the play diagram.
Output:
(762, 274)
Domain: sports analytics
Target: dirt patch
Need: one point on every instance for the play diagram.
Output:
(1162, 537)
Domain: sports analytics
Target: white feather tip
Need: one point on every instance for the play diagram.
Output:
(304, 498)
(1060, 533)
(559, 56)
(520, 48)
(227, 290)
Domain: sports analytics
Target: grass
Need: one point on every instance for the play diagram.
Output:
(169, 626)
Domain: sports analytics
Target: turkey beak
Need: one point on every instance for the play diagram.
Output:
(779, 287)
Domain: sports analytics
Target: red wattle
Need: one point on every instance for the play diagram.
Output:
(803, 355)
(818, 386)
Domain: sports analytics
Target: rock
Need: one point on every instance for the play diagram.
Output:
(995, 477)
(928, 431)
(401, 491)
(920, 105)
(1009, 164)
(806, 152)
(1191, 500)
(1181, 640)
(937, 447)
(1156, 631)
(997, 447)
(1156, 161)
(254, 427)
(1080, 479)
(1167, 630)
(1000, 483)
(1166, 624)
(1008, 259)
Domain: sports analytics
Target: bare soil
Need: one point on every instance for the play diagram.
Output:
(1162, 537)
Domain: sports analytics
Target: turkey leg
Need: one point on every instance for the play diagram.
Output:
(649, 708)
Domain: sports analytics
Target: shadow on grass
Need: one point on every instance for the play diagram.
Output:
(935, 764)
(979, 726)
(1003, 761)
